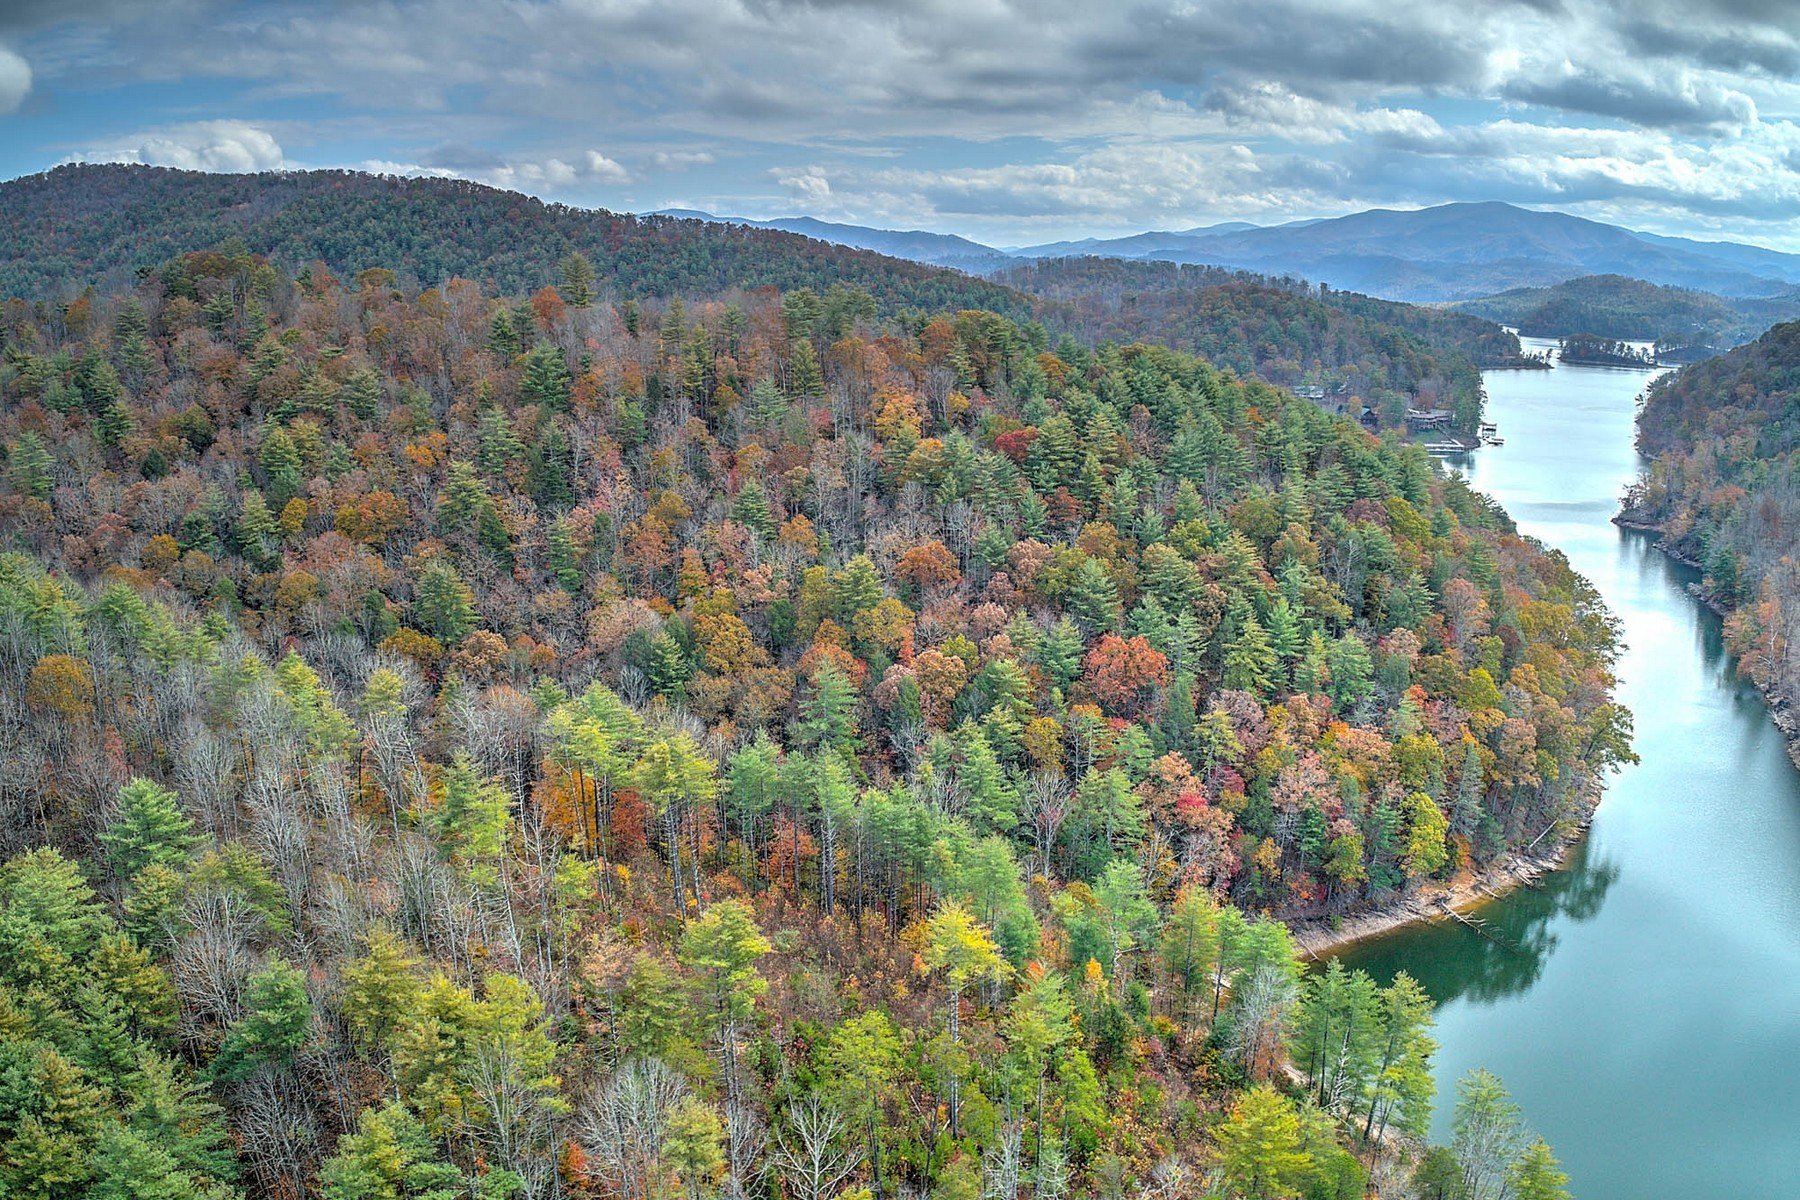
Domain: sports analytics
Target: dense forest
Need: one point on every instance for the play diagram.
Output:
(1722, 488)
(79, 226)
(1341, 345)
(1625, 309)
(459, 745)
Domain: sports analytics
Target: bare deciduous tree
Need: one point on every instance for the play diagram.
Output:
(811, 1153)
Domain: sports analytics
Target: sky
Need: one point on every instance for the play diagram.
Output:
(1008, 122)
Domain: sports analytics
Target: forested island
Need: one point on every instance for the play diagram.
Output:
(467, 742)
(1592, 350)
(1721, 437)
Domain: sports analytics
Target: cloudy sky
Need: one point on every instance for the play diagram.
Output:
(1004, 120)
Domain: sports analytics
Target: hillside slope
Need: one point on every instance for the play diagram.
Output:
(1724, 440)
(479, 732)
(88, 224)
(1386, 354)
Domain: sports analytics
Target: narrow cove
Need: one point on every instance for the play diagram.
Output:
(1643, 1003)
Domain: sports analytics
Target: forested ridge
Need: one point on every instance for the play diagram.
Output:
(1622, 308)
(1389, 355)
(84, 225)
(1721, 487)
(459, 744)
(97, 224)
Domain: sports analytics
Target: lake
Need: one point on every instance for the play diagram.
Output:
(1643, 1004)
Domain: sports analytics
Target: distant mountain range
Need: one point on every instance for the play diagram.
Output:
(1450, 252)
(937, 249)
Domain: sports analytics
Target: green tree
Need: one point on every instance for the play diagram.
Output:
(381, 989)
(50, 917)
(148, 827)
(1249, 663)
(442, 603)
(1337, 1035)
(668, 668)
(1189, 945)
(1402, 1087)
(472, 819)
(508, 1072)
(1126, 916)
(1487, 1135)
(1537, 1175)
(720, 952)
(694, 1145)
(961, 950)
(863, 1065)
(129, 1166)
(1427, 833)
(390, 1155)
(1261, 1152)
(1092, 598)
(280, 461)
(578, 279)
(673, 776)
(828, 710)
(546, 378)
(277, 1022)
(329, 733)
(29, 466)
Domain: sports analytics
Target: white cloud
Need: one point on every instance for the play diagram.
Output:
(235, 146)
(602, 169)
(545, 175)
(15, 80)
(809, 184)
(677, 160)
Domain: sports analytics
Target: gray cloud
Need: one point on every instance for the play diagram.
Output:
(1051, 111)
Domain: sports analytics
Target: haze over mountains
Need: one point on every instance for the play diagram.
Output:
(1449, 252)
(919, 245)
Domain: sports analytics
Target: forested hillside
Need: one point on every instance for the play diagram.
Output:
(97, 224)
(1722, 436)
(1614, 306)
(78, 226)
(554, 746)
(1392, 356)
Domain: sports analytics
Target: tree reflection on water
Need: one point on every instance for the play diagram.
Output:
(1506, 955)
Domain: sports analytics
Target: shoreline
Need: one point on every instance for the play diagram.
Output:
(1781, 713)
(1443, 899)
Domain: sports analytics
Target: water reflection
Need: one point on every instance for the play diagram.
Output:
(1506, 954)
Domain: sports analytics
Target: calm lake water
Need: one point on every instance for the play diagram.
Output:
(1644, 1008)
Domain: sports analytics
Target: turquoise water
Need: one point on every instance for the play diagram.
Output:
(1643, 1004)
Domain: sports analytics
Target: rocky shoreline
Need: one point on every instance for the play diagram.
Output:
(1440, 900)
